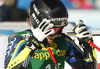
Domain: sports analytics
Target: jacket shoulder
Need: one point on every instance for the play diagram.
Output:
(23, 34)
(66, 36)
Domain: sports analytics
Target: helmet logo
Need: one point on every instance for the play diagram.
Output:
(59, 19)
(35, 18)
(36, 10)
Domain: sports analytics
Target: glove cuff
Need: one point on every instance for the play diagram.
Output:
(33, 41)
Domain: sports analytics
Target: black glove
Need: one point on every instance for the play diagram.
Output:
(33, 43)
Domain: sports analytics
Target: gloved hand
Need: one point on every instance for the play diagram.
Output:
(83, 34)
(39, 34)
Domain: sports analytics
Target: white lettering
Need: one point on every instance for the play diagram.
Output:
(58, 19)
(35, 18)
(36, 10)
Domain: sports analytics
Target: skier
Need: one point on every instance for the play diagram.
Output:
(29, 49)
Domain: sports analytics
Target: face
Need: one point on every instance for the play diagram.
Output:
(54, 35)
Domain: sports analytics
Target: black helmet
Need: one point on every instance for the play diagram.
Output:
(54, 10)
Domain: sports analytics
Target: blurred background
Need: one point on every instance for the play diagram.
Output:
(13, 14)
(18, 10)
